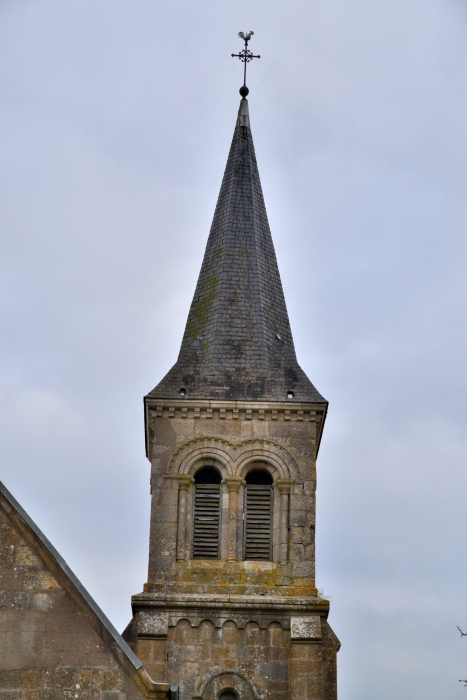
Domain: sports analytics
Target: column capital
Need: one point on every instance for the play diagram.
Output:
(284, 485)
(233, 483)
(184, 481)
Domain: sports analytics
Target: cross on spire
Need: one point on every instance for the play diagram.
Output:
(245, 56)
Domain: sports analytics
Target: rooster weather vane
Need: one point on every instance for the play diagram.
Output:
(245, 56)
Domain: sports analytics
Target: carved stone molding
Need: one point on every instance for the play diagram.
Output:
(185, 458)
(156, 623)
(234, 458)
(219, 618)
(218, 681)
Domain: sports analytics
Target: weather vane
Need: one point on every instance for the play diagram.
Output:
(245, 56)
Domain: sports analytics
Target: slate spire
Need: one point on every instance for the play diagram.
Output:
(237, 342)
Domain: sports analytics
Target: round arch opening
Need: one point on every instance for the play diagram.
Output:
(259, 477)
(208, 475)
(228, 694)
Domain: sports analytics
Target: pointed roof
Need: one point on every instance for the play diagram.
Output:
(237, 343)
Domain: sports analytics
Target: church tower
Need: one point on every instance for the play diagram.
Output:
(231, 610)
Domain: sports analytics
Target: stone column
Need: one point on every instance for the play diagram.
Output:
(184, 482)
(284, 490)
(233, 484)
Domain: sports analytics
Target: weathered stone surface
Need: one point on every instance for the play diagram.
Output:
(153, 625)
(305, 627)
(226, 623)
(54, 641)
(234, 616)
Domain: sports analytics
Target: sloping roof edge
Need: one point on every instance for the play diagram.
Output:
(99, 621)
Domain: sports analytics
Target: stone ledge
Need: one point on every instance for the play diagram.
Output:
(237, 405)
(195, 411)
(157, 600)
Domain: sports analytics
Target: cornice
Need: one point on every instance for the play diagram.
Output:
(319, 407)
(233, 602)
(235, 410)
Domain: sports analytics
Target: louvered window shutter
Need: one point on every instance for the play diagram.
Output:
(206, 521)
(258, 512)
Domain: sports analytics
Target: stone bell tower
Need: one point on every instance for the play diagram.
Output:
(230, 610)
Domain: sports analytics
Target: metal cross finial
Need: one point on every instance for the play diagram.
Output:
(245, 56)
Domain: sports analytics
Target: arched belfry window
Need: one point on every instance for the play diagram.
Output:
(258, 515)
(228, 695)
(206, 523)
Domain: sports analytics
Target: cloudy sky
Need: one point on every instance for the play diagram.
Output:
(115, 122)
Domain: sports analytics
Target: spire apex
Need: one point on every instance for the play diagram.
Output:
(243, 118)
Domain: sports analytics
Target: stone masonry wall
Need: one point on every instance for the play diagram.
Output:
(251, 653)
(203, 659)
(182, 437)
(48, 650)
(290, 659)
(255, 627)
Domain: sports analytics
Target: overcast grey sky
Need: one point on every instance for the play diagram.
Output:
(115, 122)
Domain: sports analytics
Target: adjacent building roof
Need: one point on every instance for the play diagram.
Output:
(237, 343)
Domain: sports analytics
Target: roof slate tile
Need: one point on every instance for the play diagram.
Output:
(237, 342)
